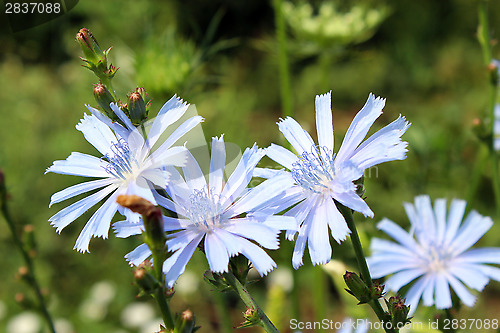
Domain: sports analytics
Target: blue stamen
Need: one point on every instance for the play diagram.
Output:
(205, 208)
(313, 169)
(121, 162)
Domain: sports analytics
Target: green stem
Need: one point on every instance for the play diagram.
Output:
(363, 266)
(27, 259)
(484, 38)
(249, 302)
(319, 291)
(284, 69)
(159, 294)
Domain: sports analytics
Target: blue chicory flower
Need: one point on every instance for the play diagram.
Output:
(225, 216)
(435, 254)
(322, 177)
(127, 166)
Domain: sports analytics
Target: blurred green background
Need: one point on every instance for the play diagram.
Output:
(222, 56)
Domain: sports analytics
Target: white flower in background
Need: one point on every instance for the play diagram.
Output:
(137, 314)
(25, 322)
(212, 213)
(435, 254)
(127, 166)
(322, 177)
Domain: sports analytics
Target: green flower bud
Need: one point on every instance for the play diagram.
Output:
(185, 322)
(104, 98)
(95, 59)
(136, 106)
(377, 290)
(357, 287)
(398, 311)
(251, 318)
(146, 282)
(240, 266)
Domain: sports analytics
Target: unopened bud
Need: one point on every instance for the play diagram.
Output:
(377, 290)
(398, 311)
(357, 287)
(240, 266)
(95, 58)
(252, 318)
(145, 280)
(136, 107)
(104, 98)
(185, 322)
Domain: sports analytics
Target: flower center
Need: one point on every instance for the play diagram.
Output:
(315, 170)
(122, 163)
(205, 210)
(436, 258)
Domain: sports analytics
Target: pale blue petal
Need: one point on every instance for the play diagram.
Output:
(217, 165)
(277, 222)
(181, 239)
(455, 216)
(300, 140)
(402, 278)
(360, 126)
(195, 179)
(470, 275)
(383, 146)
(170, 112)
(231, 242)
(283, 201)
(397, 233)
(172, 224)
(440, 214)
(241, 175)
(490, 271)
(67, 215)
(474, 227)
(173, 156)
(387, 247)
(443, 295)
(412, 214)
(157, 177)
(318, 240)
(428, 295)
(260, 233)
(300, 244)
(217, 256)
(174, 266)
(265, 172)
(355, 202)
(481, 256)
(78, 189)
(138, 255)
(97, 133)
(336, 221)
(124, 229)
(260, 260)
(465, 296)
(122, 116)
(324, 122)
(115, 126)
(98, 225)
(78, 164)
(262, 194)
(382, 265)
(300, 212)
(180, 132)
(281, 155)
(415, 293)
(426, 229)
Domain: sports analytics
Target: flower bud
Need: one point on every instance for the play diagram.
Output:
(185, 322)
(96, 59)
(398, 311)
(377, 290)
(252, 318)
(137, 107)
(104, 98)
(357, 287)
(240, 266)
(145, 280)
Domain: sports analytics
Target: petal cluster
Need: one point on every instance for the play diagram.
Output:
(322, 178)
(127, 165)
(435, 255)
(225, 216)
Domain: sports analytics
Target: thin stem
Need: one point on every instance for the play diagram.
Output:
(484, 38)
(159, 295)
(284, 69)
(249, 302)
(27, 259)
(363, 266)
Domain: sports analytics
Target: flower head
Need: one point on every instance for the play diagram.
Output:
(213, 213)
(435, 253)
(127, 166)
(322, 177)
